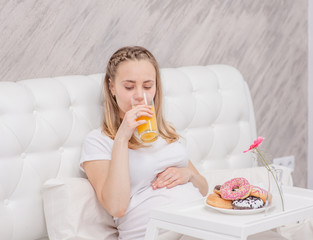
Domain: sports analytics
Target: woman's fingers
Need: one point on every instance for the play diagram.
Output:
(174, 183)
(171, 177)
(142, 110)
(166, 177)
(132, 115)
(169, 183)
(130, 123)
(139, 122)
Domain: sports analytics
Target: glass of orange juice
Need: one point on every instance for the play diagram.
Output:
(148, 132)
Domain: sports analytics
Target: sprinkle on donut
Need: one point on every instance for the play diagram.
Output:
(248, 203)
(236, 188)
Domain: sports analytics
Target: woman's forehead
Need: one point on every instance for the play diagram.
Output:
(136, 70)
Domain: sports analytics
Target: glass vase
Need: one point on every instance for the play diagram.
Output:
(275, 196)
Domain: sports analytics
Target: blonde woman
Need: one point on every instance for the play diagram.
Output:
(131, 178)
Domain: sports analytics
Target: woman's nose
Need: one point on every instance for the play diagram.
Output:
(139, 97)
(140, 94)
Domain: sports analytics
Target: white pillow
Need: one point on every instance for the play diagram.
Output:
(72, 211)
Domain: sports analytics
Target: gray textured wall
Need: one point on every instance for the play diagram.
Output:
(266, 40)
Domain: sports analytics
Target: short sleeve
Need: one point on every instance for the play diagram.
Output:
(96, 146)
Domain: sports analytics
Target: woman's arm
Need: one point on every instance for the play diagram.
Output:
(198, 180)
(110, 178)
(174, 176)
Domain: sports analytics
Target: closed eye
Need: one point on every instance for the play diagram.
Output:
(129, 88)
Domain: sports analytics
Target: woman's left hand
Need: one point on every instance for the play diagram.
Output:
(172, 177)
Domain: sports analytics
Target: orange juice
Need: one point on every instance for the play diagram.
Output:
(148, 131)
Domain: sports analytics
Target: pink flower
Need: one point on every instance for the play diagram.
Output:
(255, 144)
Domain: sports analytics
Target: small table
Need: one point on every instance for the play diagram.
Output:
(197, 220)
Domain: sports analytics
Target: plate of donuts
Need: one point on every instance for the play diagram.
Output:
(236, 211)
(237, 196)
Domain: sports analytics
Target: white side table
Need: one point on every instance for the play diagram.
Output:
(197, 220)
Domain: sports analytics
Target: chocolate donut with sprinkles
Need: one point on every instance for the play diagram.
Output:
(248, 203)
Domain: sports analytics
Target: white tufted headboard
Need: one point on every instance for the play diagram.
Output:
(43, 123)
(212, 110)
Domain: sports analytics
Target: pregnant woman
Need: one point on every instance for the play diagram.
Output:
(131, 177)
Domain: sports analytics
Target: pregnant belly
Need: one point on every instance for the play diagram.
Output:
(137, 216)
(164, 196)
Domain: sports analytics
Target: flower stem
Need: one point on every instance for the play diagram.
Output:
(269, 169)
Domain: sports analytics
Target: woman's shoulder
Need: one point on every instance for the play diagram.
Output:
(97, 134)
(96, 146)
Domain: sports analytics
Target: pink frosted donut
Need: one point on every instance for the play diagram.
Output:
(260, 193)
(236, 188)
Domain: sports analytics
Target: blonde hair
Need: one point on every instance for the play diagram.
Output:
(112, 120)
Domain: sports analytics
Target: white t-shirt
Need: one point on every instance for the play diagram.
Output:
(144, 165)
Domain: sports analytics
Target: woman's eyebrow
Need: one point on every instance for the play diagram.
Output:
(133, 81)
(148, 81)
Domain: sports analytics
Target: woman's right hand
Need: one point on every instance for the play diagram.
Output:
(130, 123)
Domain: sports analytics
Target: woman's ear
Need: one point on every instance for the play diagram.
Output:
(111, 87)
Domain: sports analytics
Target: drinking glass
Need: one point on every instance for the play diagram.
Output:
(148, 132)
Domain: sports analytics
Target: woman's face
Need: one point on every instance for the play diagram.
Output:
(132, 77)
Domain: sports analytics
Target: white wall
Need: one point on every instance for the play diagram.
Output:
(310, 98)
(266, 40)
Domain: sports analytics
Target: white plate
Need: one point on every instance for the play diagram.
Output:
(236, 212)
